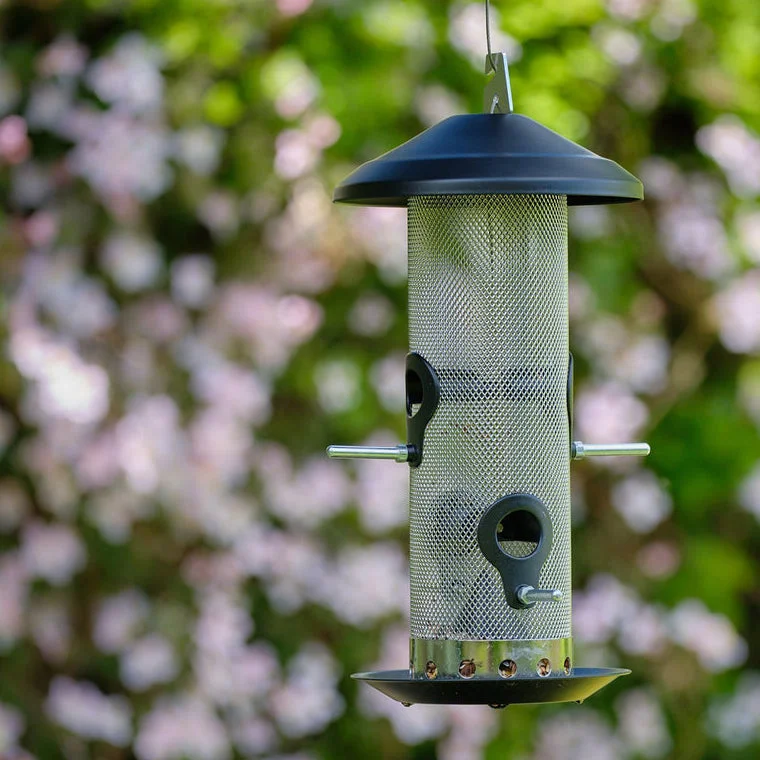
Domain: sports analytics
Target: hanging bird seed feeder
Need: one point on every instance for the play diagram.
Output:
(489, 401)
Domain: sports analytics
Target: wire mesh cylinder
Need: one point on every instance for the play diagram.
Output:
(488, 310)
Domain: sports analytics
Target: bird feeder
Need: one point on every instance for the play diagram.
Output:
(489, 401)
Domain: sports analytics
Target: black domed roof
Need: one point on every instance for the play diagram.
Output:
(489, 154)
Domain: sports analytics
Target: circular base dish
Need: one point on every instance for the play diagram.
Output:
(581, 684)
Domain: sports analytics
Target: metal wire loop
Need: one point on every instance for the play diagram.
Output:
(488, 29)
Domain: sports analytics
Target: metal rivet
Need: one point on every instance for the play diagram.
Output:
(467, 668)
(497, 706)
(568, 666)
(507, 668)
(431, 670)
(544, 667)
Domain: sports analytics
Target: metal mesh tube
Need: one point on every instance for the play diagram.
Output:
(488, 310)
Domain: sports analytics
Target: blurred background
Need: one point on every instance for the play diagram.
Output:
(187, 321)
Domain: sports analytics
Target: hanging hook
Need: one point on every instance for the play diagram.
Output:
(498, 94)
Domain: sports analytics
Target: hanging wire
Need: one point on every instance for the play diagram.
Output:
(488, 29)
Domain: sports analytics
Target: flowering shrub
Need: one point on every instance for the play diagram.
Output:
(188, 321)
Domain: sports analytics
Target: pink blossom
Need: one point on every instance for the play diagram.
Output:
(53, 552)
(15, 145)
(289, 82)
(663, 179)
(221, 445)
(322, 130)
(644, 632)
(118, 618)
(436, 103)
(49, 106)
(736, 150)
(220, 212)
(387, 378)
(471, 730)
(338, 385)
(658, 559)
(608, 413)
(275, 325)
(80, 305)
(735, 718)
(637, 708)
(65, 57)
(580, 734)
(254, 736)
(199, 148)
(182, 728)
(619, 45)
(157, 318)
(149, 441)
(694, 238)
(737, 308)
(214, 570)
(221, 516)
(599, 609)
(148, 661)
(238, 678)
(643, 364)
(381, 232)
(66, 386)
(296, 154)
(193, 280)
(292, 566)
(629, 10)
(223, 625)
(42, 228)
(366, 584)
(309, 700)
(142, 172)
(710, 636)
(80, 707)
(642, 501)
(306, 496)
(382, 490)
(12, 725)
(31, 185)
(305, 260)
(234, 390)
(671, 19)
(129, 77)
(293, 7)
(589, 223)
(371, 315)
(644, 88)
(97, 464)
(133, 262)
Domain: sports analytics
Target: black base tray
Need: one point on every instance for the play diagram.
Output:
(582, 683)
